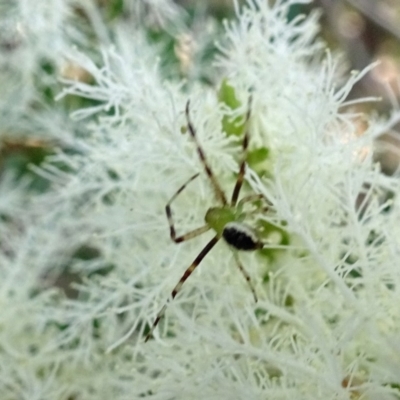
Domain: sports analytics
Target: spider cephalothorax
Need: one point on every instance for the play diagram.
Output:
(226, 219)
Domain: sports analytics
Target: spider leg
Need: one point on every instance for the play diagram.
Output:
(168, 211)
(185, 276)
(254, 197)
(250, 198)
(245, 274)
(217, 188)
(242, 169)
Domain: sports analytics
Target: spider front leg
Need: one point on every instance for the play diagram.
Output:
(168, 211)
(184, 277)
(242, 169)
(219, 193)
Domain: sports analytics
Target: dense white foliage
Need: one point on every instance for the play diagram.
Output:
(326, 325)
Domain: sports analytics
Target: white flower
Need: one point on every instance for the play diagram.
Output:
(325, 325)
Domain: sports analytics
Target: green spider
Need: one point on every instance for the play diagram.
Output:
(226, 219)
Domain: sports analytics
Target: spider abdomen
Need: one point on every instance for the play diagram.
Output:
(241, 236)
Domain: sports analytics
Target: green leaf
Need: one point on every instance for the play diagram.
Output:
(227, 96)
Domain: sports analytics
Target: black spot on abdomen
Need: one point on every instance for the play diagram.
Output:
(241, 237)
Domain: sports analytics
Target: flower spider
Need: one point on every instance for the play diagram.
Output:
(226, 220)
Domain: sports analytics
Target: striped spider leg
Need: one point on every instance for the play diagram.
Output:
(226, 220)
